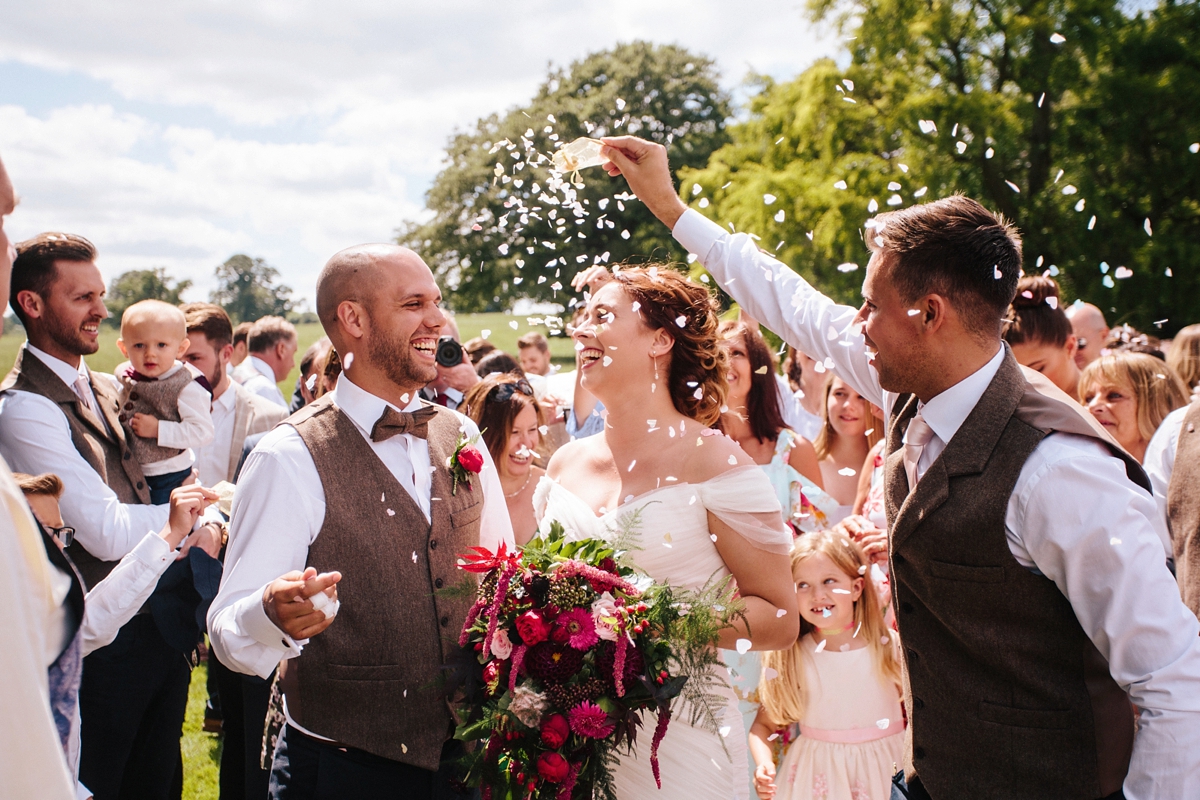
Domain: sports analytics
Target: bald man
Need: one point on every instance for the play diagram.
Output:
(345, 527)
(1091, 329)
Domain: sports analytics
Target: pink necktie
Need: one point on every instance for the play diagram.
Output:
(915, 438)
(85, 394)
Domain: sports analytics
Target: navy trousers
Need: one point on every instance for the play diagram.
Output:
(310, 769)
(132, 703)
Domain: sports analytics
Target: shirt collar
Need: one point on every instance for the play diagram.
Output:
(228, 398)
(263, 368)
(364, 408)
(62, 369)
(946, 413)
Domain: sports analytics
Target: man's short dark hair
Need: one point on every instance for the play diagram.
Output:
(34, 271)
(211, 320)
(534, 339)
(956, 248)
(242, 332)
(268, 332)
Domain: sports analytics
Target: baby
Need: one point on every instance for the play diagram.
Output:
(165, 404)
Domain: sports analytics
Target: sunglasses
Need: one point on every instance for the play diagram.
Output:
(504, 392)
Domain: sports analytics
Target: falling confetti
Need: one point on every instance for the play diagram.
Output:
(743, 647)
(1057, 38)
(847, 471)
(1146, 225)
(779, 215)
(769, 198)
(1013, 186)
(840, 185)
(921, 192)
(780, 612)
(820, 646)
(847, 267)
(927, 126)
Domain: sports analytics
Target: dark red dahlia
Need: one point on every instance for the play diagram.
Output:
(608, 565)
(553, 662)
(635, 664)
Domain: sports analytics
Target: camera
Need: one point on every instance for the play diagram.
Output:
(449, 352)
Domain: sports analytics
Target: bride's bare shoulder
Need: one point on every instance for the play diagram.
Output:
(582, 454)
(712, 453)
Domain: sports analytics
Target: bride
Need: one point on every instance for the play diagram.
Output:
(649, 352)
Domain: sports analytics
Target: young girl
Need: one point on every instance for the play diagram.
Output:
(840, 681)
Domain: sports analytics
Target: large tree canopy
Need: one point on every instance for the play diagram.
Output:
(136, 285)
(1070, 117)
(247, 288)
(500, 232)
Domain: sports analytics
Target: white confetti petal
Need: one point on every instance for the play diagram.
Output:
(779, 215)
(780, 612)
(847, 471)
(769, 198)
(724, 730)
(921, 192)
(1146, 225)
(927, 126)
(847, 267)
(1057, 38)
(733, 461)
(743, 647)
(820, 646)
(840, 185)
(1013, 186)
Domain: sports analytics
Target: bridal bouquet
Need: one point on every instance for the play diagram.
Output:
(574, 647)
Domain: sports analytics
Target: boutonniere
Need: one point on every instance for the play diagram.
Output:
(466, 461)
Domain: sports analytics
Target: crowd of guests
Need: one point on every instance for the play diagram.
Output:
(99, 460)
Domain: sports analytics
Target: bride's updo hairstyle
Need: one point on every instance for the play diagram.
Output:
(666, 297)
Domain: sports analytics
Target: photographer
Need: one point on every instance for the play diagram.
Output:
(455, 373)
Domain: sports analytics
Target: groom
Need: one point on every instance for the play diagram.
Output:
(1029, 579)
(351, 499)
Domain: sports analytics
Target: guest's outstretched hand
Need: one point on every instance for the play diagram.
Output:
(187, 503)
(288, 602)
(644, 165)
(591, 278)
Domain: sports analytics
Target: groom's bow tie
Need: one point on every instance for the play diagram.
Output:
(393, 423)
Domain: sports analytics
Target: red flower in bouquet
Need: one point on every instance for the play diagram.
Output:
(579, 627)
(553, 767)
(532, 627)
(590, 720)
(493, 674)
(553, 663)
(555, 730)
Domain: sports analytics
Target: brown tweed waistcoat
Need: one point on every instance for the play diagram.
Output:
(371, 680)
(1007, 696)
(159, 399)
(104, 448)
(1183, 508)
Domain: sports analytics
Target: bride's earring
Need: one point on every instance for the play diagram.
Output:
(656, 368)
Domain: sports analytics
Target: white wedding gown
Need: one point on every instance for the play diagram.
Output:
(678, 549)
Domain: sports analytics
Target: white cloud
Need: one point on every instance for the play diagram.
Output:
(375, 88)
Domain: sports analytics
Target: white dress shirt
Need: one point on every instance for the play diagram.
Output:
(279, 509)
(212, 460)
(35, 438)
(263, 383)
(1073, 516)
(1160, 455)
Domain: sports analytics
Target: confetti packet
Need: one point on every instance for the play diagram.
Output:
(577, 155)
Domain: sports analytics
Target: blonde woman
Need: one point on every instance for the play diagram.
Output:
(848, 432)
(1184, 356)
(1130, 394)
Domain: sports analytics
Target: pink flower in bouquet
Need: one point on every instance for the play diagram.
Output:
(589, 719)
(555, 730)
(580, 628)
(553, 767)
(502, 646)
(604, 616)
(471, 459)
(532, 627)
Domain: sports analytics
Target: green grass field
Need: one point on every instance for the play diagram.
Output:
(499, 325)
(202, 751)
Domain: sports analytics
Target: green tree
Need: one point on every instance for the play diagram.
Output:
(247, 289)
(1048, 112)
(500, 228)
(136, 285)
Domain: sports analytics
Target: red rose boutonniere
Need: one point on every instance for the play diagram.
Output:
(466, 461)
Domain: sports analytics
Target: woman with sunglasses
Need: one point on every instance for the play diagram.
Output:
(508, 415)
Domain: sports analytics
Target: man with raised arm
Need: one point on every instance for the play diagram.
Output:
(1034, 605)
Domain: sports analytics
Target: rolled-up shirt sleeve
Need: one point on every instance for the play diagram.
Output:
(1088, 529)
(785, 303)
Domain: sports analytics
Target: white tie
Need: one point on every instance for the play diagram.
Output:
(915, 438)
(85, 394)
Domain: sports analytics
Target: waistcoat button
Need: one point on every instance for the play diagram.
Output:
(128, 455)
(445, 621)
(913, 655)
(918, 752)
(899, 559)
(134, 396)
(438, 583)
(140, 484)
(906, 608)
(918, 703)
(433, 544)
